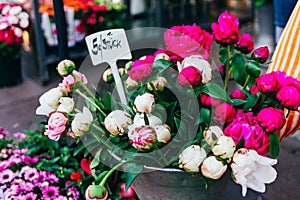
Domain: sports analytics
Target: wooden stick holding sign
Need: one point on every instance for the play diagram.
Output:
(110, 46)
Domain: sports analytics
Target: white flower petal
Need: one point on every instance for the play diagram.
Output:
(265, 174)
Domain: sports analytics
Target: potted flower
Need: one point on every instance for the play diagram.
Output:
(183, 133)
(13, 21)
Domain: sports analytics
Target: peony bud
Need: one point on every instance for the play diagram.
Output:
(159, 84)
(153, 120)
(245, 43)
(96, 192)
(191, 158)
(144, 103)
(65, 67)
(81, 122)
(161, 56)
(261, 54)
(142, 137)
(141, 70)
(126, 193)
(271, 119)
(212, 134)
(163, 133)
(224, 147)
(128, 66)
(213, 168)
(189, 75)
(289, 97)
(267, 83)
(122, 71)
(117, 122)
(56, 125)
(238, 94)
(66, 105)
(129, 83)
(224, 112)
(108, 75)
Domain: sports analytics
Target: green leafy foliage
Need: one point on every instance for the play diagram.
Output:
(238, 68)
(274, 145)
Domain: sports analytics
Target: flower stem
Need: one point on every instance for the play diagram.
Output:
(89, 100)
(161, 154)
(102, 183)
(247, 81)
(154, 90)
(227, 69)
(99, 138)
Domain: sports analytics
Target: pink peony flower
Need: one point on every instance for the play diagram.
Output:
(289, 97)
(224, 113)
(209, 101)
(172, 56)
(68, 81)
(189, 75)
(238, 94)
(142, 137)
(245, 125)
(271, 119)
(261, 54)
(188, 40)
(226, 31)
(126, 193)
(56, 125)
(245, 43)
(141, 69)
(254, 89)
(267, 83)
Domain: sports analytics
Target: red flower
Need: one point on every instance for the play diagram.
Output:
(98, 8)
(76, 176)
(190, 75)
(271, 119)
(85, 165)
(238, 94)
(209, 101)
(226, 31)
(126, 194)
(261, 54)
(141, 69)
(245, 43)
(267, 83)
(224, 113)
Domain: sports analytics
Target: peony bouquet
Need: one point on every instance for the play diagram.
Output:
(184, 111)
(13, 21)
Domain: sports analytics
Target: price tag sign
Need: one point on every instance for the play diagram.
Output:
(110, 46)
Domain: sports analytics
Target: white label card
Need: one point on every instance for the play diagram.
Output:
(109, 46)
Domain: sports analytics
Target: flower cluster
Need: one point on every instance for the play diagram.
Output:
(180, 113)
(21, 178)
(13, 21)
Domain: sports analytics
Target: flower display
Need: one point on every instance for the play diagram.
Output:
(13, 21)
(192, 121)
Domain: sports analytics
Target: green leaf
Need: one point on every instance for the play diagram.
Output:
(274, 145)
(100, 177)
(250, 102)
(223, 55)
(133, 170)
(204, 116)
(160, 65)
(96, 159)
(237, 102)
(241, 144)
(216, 91)
(253, 69)
(238, 68)
(107, 100)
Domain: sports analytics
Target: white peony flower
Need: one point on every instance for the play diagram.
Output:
(191, 158)
(108, 75)
(139, 120)
(15, 10)
(24, 23)
(144, 103)
(142, 137)
(18, 32)
(12, 19)
(224, 147)
(212, 134)
(82, 122)
(63, 67)
(66, 105)
(161, 56)
(252, 170)
(163, 133)
(49, 101)
(117, 122)
(23, 15)
(213, 168)
(198, 62)
(130, 83)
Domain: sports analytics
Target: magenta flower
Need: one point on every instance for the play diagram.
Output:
(140, 70)
(68, 82)
(245, 43)
(224, 113)
(226, 31)
(20, 135)
(261, 54)
(188, 40)
(271, 119)
(254, 89)
(73, 193)
(142, 137)
(56, 125)
(189, 75)
(6, 176)
(30, 196)
(3, 133)
(289, 97)
(31, 174)
(238, 94)
(207, 100)
(267, 83)
(245, 125)
(50, 192)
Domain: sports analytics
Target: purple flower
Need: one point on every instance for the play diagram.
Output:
(31, 174)
(20, 135)
(73, 193)
(6, 176)
(41, 178)
(3, 133)
(30, 196)
(50, 192)
(24, 187)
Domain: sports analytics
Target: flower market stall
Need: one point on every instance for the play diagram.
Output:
(180, 118)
